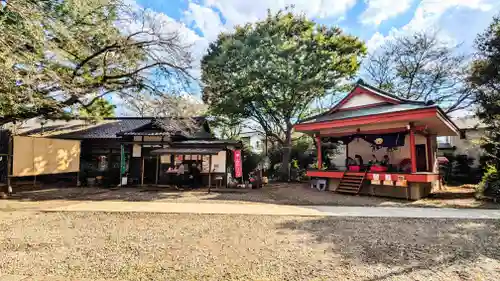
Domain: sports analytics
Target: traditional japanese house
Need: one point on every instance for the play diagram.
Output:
(373, 142)
(141, 151)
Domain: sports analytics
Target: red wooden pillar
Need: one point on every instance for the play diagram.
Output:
(430, 155)
(413, 153)
(318, 145)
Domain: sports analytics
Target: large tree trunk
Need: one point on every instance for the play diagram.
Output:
(285, 160)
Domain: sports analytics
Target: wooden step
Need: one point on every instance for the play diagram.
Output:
(356, 185)
(348, 187)
(351, 177)
(352, 180)
(353, 191)
(351, 183)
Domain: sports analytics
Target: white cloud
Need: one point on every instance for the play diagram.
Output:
(242, 11)
(375, 41)
(378, 11)
(205, 19)
(237, 12)
(429, 15)
(429, 12)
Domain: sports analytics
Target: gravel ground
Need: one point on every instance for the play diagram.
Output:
(237, 247)
(285, 193)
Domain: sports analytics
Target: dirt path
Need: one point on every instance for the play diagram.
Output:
(274, 209)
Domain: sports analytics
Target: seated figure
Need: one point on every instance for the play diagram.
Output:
(385, 161)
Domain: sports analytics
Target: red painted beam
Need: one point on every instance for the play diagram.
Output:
(379, 131)
(376, 118)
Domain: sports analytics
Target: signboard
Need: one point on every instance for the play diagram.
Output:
(136, 150)
(123, 166)
(401, 181)
(376, 179)
(44, 156)
(204, 164)
(238, 171)
(388, 180)
(165, 159)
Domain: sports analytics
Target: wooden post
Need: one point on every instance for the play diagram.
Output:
(226, 169)
(318, 144)
(209, 172)
(10, 155)
(142, 170)
(157, 167)
(413, 153)
(121, 161)
(430, 154)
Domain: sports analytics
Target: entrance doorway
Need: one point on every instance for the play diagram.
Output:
(421, 152)
(150, 167)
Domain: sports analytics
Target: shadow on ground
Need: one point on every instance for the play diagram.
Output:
(405, 245)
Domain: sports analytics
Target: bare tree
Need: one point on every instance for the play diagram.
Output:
(422, 67)
(56, 54)
(165, 105)
(173, 112)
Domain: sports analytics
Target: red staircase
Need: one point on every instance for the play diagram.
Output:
(351, 183)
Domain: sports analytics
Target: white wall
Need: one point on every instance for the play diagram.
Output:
(470, 145)
(360, 100)
(256, 141)
(219, 160)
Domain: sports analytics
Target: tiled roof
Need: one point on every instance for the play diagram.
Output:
(209, 142)
(194, 151)
(108, 128)
(368, 111)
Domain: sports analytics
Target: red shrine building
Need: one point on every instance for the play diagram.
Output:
(387, 144)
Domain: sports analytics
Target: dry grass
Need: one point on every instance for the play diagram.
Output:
(238, 247)
(290, 194)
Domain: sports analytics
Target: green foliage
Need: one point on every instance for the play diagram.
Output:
(101, 108)
(57, 54)
(459, 169)
(227, 128)
(300, 153)
(485, 80)
(250, 162)
(460, 163)
(490, 183)
(272, 70)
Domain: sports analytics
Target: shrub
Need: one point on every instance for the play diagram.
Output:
(490, 183)
(459, 169)
(250, 161)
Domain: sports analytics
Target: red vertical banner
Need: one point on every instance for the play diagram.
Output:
(238, 171)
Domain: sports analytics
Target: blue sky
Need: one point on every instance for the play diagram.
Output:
(374, 21)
